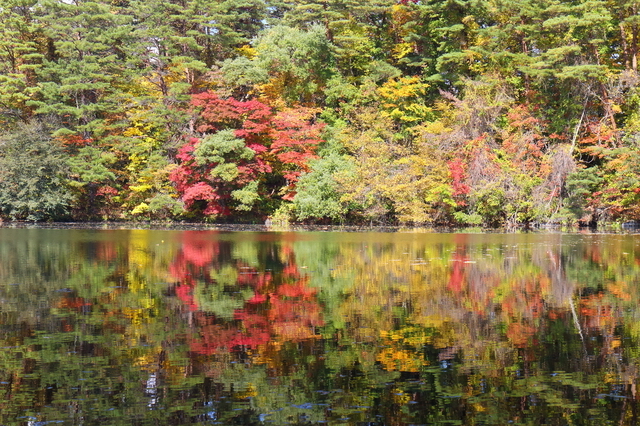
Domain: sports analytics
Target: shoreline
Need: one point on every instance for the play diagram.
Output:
(239, 227)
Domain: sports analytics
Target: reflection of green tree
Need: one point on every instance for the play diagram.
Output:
(561, 264)
(85, 335)
(527, 330)
(221, 296)
(320, 257)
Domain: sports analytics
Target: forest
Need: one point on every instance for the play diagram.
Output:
(442, 112)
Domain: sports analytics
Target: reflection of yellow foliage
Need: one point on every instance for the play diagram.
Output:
(150, 361)
(449, 336)
(611, 378)
(434, 320)
(393, 359)
(403, 351)
(292, 331)
(399, 397)
(620, 290)
(138, 316)
(147, 359)
(135, 282)
(479, 408)
(250, 392)
(264, 354)
(139, 255)
(414, 336)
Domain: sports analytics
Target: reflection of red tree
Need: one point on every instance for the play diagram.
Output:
(283, 306)
(214, 335)
(259, 281)
(289, 313)
(294, 311)
(525, 299)
(106, 251)
(196, 256)
(72, 303)
(521, 335)
(198, 251)
(457, 277)
(523, 305)
(598, 313)
(184, 291)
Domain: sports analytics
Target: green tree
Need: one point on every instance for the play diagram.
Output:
(84, 59)
(91, 175)
(21, 53)
(178, 41)
(33, 175)
(318, 192)
(289, 64)
(626, 12)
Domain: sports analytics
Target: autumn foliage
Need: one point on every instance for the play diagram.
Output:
(282, 310)
(243, 145)
(393, 112)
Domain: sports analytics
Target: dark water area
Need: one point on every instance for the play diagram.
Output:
(185, 326)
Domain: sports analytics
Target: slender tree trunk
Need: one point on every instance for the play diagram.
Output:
(634, 47)
(608, 110)
(625, 46)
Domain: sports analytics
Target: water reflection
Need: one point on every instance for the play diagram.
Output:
(201, 327)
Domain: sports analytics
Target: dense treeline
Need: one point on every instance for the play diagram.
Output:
(449, 112)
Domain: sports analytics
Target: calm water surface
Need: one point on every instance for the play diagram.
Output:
(148, 327)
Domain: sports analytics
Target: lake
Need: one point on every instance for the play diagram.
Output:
(179, 327)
